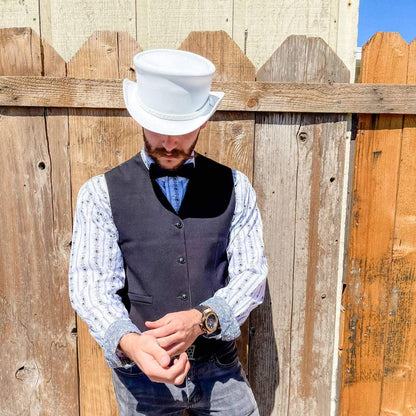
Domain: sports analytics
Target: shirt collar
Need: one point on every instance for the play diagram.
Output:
(147, 160)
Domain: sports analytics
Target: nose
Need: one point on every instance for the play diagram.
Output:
(169, 143)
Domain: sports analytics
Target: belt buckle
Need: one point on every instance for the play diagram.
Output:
(190, 352)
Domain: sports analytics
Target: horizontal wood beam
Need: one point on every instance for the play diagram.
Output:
(28, 91)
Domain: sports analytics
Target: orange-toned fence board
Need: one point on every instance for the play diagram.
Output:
(379, 343)
(38, 371)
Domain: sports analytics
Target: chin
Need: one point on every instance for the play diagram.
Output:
(170, 164)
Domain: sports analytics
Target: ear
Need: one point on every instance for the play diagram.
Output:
(204, 125)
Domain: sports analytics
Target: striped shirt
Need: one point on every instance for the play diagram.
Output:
(97, 272)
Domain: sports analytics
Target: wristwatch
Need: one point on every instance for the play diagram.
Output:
(209, 321)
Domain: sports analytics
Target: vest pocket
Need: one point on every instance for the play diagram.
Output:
(135, 297)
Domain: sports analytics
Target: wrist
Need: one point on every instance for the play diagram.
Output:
(127, 343)
(196, 321)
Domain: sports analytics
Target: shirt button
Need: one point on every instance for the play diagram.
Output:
(184, 296)
(179, 225)
(181, 260)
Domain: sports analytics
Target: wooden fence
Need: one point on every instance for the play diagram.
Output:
(298, 163)
(379, 365)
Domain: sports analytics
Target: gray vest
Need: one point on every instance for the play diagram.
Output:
(173, 261)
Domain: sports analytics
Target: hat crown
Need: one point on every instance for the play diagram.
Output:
(173, 82)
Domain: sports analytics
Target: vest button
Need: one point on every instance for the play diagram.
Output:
(181, 260)
(179, 225)
(184, 296)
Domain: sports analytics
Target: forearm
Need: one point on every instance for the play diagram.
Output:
(95, 300)
(247, 265)
(234, 303)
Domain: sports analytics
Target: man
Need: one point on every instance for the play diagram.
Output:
(167, 256)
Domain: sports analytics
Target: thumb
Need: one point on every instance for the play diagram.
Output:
(161, 356)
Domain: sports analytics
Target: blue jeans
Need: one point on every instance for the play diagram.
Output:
(211, 387)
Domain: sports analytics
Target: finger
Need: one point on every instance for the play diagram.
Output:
(161, 332)
(181, 377)
(169, 340)
(176, 349)
(161, 356)
(158, 323)
(176, 371)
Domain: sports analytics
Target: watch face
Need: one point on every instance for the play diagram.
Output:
(211, 322)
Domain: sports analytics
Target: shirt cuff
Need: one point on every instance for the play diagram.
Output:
(112, 338)
(230, 329)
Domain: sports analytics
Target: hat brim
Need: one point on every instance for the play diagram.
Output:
(163, 126)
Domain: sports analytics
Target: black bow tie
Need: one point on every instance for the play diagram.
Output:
(185, 171)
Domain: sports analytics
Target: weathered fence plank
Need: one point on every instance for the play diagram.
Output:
(39, 354)
(100, 139)
(380, 288)
(299, 177)
(228, 138)
(239, 95)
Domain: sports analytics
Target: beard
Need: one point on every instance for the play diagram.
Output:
(180, 155)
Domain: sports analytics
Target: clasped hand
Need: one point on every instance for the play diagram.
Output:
(166, 338)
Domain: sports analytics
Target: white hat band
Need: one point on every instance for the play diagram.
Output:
(177, 117)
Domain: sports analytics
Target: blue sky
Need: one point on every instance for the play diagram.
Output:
(386, 16)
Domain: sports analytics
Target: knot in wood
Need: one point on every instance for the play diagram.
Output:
(252, 102)
(303, 136)
(26, 374)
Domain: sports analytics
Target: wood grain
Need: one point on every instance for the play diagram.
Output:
(259, 26)
(36, 318)
(20, 14)
(66, 25)
(166, 25)
(229, 137)
(345, 32)
(399, 395)
(239, 95)
(373, 340)
(100, 140)
(299, 178)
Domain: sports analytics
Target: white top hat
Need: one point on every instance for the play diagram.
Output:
(172, 93)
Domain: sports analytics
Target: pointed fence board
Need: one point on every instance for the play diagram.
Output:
(100, 140)
(228, 137)
(39, 351)
(379, 353)
(299, 177)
